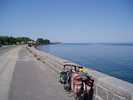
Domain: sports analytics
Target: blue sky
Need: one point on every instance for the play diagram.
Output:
(68, 20)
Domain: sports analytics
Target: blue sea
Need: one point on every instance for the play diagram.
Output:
(113, 59)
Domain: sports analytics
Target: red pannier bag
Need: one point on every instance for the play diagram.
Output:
(77, 80)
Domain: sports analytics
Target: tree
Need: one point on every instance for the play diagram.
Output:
(5, 40)
(41, 41)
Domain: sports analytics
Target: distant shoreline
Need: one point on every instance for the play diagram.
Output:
(115, 44)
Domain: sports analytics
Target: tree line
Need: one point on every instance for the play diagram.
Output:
(6, 40)
(41, 41)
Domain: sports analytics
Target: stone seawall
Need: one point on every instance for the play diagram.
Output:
(105, 87)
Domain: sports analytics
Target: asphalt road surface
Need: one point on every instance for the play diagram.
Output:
(33, 80)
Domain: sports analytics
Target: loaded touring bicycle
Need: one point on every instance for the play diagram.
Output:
(76, 81)
(66, 74)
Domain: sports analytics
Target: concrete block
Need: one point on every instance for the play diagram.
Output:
(102, 93)
(110, 96)
(95, 98)
(116, 97)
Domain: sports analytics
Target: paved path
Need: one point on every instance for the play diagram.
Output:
(4, 50)
(33, 80)
(7, 64)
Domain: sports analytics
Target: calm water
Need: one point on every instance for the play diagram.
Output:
(115, 60)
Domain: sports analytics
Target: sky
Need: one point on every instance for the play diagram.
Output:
(69, 21)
